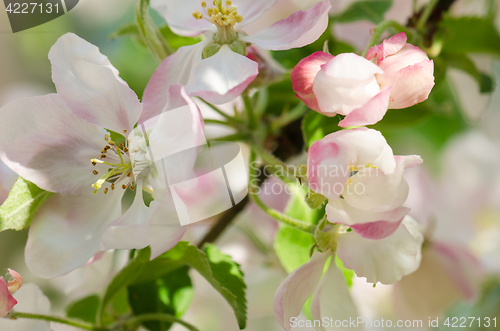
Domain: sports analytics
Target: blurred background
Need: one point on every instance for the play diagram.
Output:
(454, 195)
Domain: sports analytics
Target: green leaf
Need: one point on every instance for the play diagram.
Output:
(462, 62)
(316, 126)
(24, 200)
(372, 10)
(292, 246)
(151, 35)
(469, 35)
(219, 270)
(170, 294)
(84, 309)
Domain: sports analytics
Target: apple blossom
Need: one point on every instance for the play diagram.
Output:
(399, 75)
(358, 165)
(7, 301)
(62, 143)
(385, 260)
(345, 84)
(217, 68)
(406, 68)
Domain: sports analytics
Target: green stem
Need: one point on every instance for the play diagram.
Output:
(253, 190)
(230, 119)
(426, 14)
(380, 29)
(233, 137)
(218, 122)
(272, 160)
(48, 318)
(136, 320)
(252, 121)
(289, 116)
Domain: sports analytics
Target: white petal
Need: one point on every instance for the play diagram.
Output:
(175, 69)
(371, 189)
(386, 260)
(30, 300)
(179, 16)
(251, 10)
(299, 29)
(129, 231)
(223, 77)
(67, 231)
(90, 85)
(333, 300)
(164, 229)
(345, 83)
(44, 142)
(297, 288)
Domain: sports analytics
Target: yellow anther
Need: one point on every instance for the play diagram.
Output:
(131, 187)
(106, 190)
(238, 18)
(95, 172)
(106, 137)
(124, 130)
(197, 15)
(103, 156)
(112, 186)
(111, 142)
(229, 3)
(204, 4)
(124, 186)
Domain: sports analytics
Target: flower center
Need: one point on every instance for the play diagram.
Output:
(118, 171)
(221, 16)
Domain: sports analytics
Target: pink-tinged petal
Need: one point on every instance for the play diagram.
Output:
(251, 10)
(297, 30)
(297, 288)
(388, 47)
(16, 283)
(372, 190)
(447, 274)
(7, 301)
(368, 224)
(386, 260)
(370, 113)
(333, 300)
(410, 161)
(90, 85)
(179, 16)
(345, 83)
(129, 231)
(67, 231)
(407, 56)
(326, 168)
(30, 300)
(303, 77)
(410, 85)
(175, 69)
(223, 77)
(45, 143)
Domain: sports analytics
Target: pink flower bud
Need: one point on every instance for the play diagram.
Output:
(407, 70)
(7, 301)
